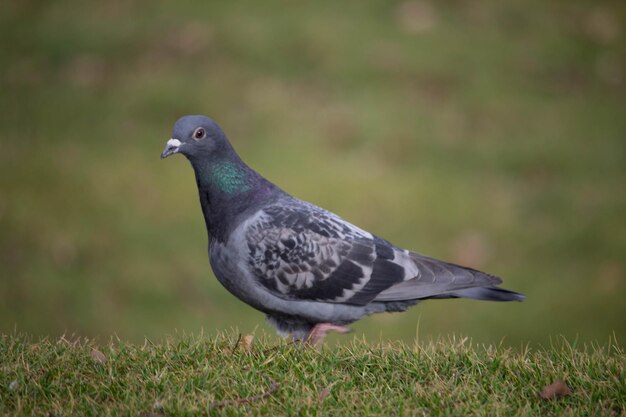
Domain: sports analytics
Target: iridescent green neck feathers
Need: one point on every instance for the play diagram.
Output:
(228, 177)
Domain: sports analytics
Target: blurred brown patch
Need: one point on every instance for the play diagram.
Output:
(246, 342)
(97, 356)
(611, 277)
(433, 88)
(419, 389)
(13, 253)
(170, 44)
(3, 206)
(63, 251)
(87, 71)
(340, 129)
(557, 389)
(476, 12)
(610, 69)
(471, 249)
(386, 56)
(266, 92)
(323, 394)
(158, 406)
(24, 71)
(453, 125)
(399, 147)
(602, 25)
(568, 79)
(190, 39)
(416, 16)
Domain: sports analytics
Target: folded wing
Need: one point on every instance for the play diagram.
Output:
(301, 251)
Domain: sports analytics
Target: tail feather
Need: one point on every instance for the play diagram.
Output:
(485, 294)
(438, 279)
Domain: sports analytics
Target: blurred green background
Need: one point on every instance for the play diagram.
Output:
(490, 133)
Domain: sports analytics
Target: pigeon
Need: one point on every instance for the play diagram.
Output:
(307, 269)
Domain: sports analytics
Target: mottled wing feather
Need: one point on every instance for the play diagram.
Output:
(303, 252)
(300, 251)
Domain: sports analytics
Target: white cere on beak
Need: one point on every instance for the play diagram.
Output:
(173, 142)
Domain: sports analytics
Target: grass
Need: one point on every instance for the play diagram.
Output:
(226, 375)
(484, 132)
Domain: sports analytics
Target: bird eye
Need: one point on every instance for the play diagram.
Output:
(199, 133)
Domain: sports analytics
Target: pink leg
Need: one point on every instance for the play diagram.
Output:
(319, 331)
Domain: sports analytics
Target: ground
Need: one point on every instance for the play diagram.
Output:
(235, 375)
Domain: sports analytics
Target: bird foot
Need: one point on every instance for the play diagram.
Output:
(319, 331)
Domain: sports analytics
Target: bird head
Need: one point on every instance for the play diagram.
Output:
(195, 136)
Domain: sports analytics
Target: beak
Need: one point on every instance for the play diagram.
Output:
(171, 147)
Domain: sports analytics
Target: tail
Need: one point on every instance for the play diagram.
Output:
(485, 294)
(438, 279)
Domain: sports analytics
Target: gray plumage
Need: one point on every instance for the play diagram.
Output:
(301, 264)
